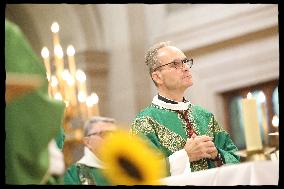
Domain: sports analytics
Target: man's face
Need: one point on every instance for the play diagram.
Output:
(173, 76)
(96, 135)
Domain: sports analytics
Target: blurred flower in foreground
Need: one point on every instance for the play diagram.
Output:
(129, 161)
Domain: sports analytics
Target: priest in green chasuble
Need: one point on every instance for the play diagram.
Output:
(33, 121)
(188, 135)
(88, 170)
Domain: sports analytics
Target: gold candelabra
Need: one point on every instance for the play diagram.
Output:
(67, 83)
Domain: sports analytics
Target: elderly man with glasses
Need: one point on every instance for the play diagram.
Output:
(88, 169)
(188, 135)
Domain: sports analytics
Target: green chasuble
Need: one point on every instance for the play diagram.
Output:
(82, 174)
(167, 130)
(32, 120)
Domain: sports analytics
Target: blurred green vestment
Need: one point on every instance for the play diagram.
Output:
(32, 120)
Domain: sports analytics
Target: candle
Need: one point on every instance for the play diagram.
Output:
(252, 131)
(59, 65)
(275, 121)
(81, 81)
(66, 82)
(58, 96)
(45, 56)
(54, 84)
(89, 106)
(58, 59)
(92, 104)
(71, 60)
(95, 101)
(82, 100)
(264, 118)
(71, 89)
(55, 30)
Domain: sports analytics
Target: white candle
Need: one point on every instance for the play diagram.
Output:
(54, 84)
(45, 56)
(252, 131)
(59, 65)
(264, 118)
(95, 100)
(55, 30)
(82, 99)
(71, 60)
(275, 121)
(92, 104)
(81, 81)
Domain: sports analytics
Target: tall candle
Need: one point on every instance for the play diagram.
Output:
(92, 104)
(71, 60)
(95, 100)
(55, 30)
(59, 65)
(82, 100)
(45, 56)
(264, 118)
(67, 88)
(54, 85)
(81, 81)
(252, 131)
(72, 90)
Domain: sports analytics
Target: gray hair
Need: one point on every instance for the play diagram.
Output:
(95, 120)
(151, 59)
(151, 55)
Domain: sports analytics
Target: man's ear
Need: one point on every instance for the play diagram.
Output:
(156, 76)
(86, 141)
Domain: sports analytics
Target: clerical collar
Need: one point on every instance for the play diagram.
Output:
(160, 97)
(90, 159)
(170, 104)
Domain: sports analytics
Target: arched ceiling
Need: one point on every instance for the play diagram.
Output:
(80, 25)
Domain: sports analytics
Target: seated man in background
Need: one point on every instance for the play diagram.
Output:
(88, 169)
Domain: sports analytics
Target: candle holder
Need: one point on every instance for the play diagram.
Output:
(256, 155)
(274, 139)
(68, 84)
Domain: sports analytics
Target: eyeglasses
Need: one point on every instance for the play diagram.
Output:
(100, 133)
(178, 64)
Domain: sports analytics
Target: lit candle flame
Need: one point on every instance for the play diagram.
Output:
(80, 76)
(92, 99)
(54, 27)
(65, 75)
(70, 50)
(261, 97)
(70, 80)
(44, 52)
(249, 95)
(81, 96)
(275, 121)
(54, 81)
(58, 51)
(58, 96)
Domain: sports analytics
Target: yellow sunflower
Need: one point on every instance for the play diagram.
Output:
(129, 161)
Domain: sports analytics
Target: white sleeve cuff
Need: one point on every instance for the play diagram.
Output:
(179, 163)
(56, 159)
